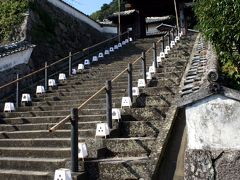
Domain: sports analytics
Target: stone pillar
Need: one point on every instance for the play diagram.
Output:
(213, 148)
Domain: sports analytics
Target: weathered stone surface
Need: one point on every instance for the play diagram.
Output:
(198, 165)
(217, 165)
(228, 166)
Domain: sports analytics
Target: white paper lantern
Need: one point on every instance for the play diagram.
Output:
(82, 150)
(26, 97)
(102, 130)
(135, 91)
(111, 49)
(126, 102)
(62, 174)
(80, 66)
(177, 39)
(119, 45)
(162, 55)
(51, 83)
(74, 71)
(115, 47)
(87, 62)
(172, 44)
(159, 60)
(116, 114)
(141, 83)
(148, 76)
(62, 77)
(40, 90)
(100, 55)
(152, 69)
(9, 107)
(94, 59)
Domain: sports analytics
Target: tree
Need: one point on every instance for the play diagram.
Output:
(106, 10)
(219, 21)
(11, 16)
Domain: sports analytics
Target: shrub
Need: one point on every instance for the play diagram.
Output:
(219, 21)
(11, 16)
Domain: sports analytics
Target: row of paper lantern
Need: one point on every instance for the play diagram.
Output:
(87, 62)
(102, 129)
(9, 106)
(26, 97)
(168, 48)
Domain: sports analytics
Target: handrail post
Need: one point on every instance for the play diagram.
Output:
(144, 66)
(46, 76)
(70, 64)
(163, 43)
(109, 102)
(155, 55)
(130, 81)
(17, 92)
(169, 38)
(74, 140)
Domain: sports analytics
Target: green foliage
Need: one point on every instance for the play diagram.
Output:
(106, 10)
(219, 21)
(11, 16)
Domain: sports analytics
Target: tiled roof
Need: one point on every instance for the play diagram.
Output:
(196, 72)
(124, 13)
(201, 76)
(156, 19)
(12, 48)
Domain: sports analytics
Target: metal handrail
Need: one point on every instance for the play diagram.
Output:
(63, 121)
(60, 60)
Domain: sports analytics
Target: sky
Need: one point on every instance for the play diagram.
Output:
(88, 6)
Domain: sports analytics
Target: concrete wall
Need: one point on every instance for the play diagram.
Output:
(77, 14)
(213, 149)
(214, 123)
(15, 59)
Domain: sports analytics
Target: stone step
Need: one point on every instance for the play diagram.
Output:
(35, 152)
(8, 174)
(46, 134)
(11, 174)
(139, 128)
(82, 92)
(51, 113)
(94, 86)
(144, 114)
(37, 142)
(31, 164)
(153, 101)
(77, 94)
(78, 97)
(50, 119)
(120, 168)
(112, 147)
(46, 126)
(162, 90)
(124, 147)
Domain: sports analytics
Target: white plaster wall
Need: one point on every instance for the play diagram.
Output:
(12, 60)
(77, 14)
(214, 123)
(110, 30)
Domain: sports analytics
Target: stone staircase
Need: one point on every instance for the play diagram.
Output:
(29, 151)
